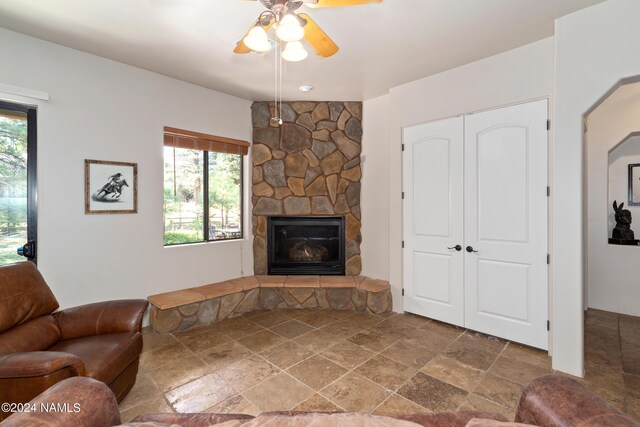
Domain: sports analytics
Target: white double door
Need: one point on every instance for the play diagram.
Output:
(475, 222)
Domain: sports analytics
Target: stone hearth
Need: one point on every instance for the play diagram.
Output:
(310, 165)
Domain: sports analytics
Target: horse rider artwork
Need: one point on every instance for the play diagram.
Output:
(113, 188)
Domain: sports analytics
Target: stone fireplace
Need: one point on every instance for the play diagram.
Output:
(309, 166)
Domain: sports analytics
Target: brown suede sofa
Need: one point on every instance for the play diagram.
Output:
(549, 401)
(40, 346)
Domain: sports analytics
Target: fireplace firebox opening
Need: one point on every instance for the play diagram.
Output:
(299, 245)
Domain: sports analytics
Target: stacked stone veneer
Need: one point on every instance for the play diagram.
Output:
(205, 305)
(309, 165)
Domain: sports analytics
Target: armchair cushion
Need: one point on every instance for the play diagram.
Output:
(38, 334)
(24, 295)
(101, 318)
(38, 363)
(104, 356)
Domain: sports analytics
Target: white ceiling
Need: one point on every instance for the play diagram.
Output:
(382, 45)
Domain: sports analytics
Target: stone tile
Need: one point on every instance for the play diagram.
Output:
(143, 390)
(248, 372)
(192, 332)
(302, 282)
(279, 393)
(374, 285)
(373, 340)
(218, 289)
(152, 340)
(176, 298)
(482, 341)
(355, 393)
(470, 356)
(601, 318)
(179, 372)
(427, 340)
(365, 320)
(632, 385)
(347, 354)
(316, 372)
(200, 394)
(517, 371)
(317, 340)
(317, 403)
(161, 356)
(432, 393)
(273, 318)
(397, 405)
(238, 327)
(287, 354)
(530, 355)
(607, 382)
(291, 329)
(261, 341)
(204, 341)
(498, 390)
(631, 359)
(386, 372)
(453, 371)
(337, 282)
(342, 328)
(271, 281)
(408, 354)
(224, 355)
(156, 405)
(444, 329)
(316, 318)
(477, 403)
(247, 283)
(237, 404)
(257, 313)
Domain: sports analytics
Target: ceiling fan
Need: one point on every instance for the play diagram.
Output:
(291, 27)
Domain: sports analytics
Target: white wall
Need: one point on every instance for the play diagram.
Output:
(101, 109)
(595, 48)
(374, 194)
(515, 76)
(612, 270)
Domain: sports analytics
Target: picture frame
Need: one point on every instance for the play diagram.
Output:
(634, 184)
(110, 187)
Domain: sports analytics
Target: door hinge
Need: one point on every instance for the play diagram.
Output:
(403, 194)
(548, 325)
(548, 191)
(548, 259)
(403, 243)
(402, 147)
(548, 124)
(402, 291)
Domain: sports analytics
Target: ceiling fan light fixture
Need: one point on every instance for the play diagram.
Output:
(289, 29)
(294, 52)
(257, 40)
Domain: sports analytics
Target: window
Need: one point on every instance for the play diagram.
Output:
(202, 187)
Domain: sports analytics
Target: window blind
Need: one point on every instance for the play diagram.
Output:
(180, 138)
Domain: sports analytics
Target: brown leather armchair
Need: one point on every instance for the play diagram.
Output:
(40, 346)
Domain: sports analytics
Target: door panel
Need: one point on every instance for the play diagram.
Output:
(506, 223)
(433, 218)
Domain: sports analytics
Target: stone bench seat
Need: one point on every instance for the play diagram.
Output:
(204, 305)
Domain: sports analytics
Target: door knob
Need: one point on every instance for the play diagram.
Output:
(456, 247)
(470, 249)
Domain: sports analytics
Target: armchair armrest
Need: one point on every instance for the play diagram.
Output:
(101, 318)
(38, 363)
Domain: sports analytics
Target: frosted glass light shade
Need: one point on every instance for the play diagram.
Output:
(257, 40)
(294, 52)
(289, 29)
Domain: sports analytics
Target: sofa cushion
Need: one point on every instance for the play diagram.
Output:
(24, 295)
(104, 356)
(35, 335)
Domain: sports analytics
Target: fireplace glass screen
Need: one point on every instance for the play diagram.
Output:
(306, 245)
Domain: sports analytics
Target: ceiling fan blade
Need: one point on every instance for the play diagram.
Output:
(337, 3)
(317, 38)
(241, 48)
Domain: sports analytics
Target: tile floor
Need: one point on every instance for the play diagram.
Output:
(343, 361)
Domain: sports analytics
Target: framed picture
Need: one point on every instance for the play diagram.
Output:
(634, 184)
(110, 187)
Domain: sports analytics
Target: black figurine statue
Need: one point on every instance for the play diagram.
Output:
(622, 229)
